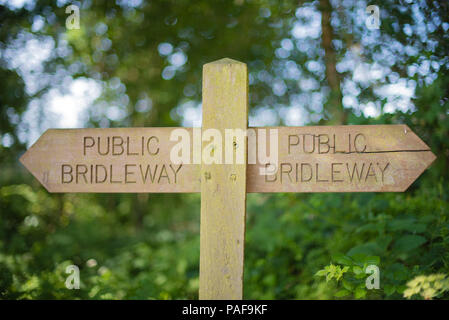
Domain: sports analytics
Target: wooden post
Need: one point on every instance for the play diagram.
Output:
(372, 158)
(223, 186)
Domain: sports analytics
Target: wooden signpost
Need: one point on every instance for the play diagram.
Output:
(372, 158)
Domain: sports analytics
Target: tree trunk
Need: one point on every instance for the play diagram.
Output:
(333, 107)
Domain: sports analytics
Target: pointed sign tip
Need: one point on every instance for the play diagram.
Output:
(23, 159)
(427, 161)
(434, 157)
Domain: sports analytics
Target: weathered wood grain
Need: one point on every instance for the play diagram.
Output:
(385, 157)
(408, 156)
(134, 170)
(223, 187)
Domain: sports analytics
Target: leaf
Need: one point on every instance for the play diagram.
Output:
(397, 272)
(358, 258)
(357, 270)
(321, 273)
(348, 285)
(342, 259)
(342, 293)
(360, 293)
(409, 242)
(372, 260)
(400, 289)
(369, 227)
(389, 289)
(384, 242)
(369, 248)
(406, 224)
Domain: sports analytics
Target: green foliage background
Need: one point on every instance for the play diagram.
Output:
(147, 246)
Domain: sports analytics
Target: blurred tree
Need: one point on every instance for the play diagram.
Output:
(334, 105)
(309, 61)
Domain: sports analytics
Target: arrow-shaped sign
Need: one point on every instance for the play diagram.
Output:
(371, 158)
(223, 164)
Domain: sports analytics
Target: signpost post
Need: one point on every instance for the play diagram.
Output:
(371, 158)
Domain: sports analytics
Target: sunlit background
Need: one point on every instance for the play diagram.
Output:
(139, 64)
(293, 94)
